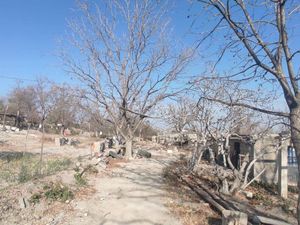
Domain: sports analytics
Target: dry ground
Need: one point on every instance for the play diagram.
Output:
(140, 191)
(125, 192)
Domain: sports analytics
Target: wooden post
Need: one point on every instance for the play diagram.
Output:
(283, 172)
(230, 217)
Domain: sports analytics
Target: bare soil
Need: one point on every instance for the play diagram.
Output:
(139, 191)
(126, 192)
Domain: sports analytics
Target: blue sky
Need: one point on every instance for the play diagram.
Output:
(30, 31)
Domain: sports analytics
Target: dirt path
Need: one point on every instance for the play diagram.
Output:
(134, 194)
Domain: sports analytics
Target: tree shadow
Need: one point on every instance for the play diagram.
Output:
(10, 155)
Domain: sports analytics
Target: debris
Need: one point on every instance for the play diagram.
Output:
(248, 194)
(143, 153)
(266, 220)
(23, 203)
(74, 142)
(63, 141)
(102, 147)
(109, 142)
(169, 151)
(114, 155)
(57, 141)
(230, 217)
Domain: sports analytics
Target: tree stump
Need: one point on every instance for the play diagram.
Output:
(230, 217)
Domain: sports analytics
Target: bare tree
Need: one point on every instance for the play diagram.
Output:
(216, 124)
(180, 114)
(261, 39)
(66, 105)
(126, 60)
(22, 100)
(43, 103)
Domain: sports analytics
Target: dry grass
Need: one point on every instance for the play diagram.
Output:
(186, 205)
(18, 167)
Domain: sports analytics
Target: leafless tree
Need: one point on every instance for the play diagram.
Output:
(260, 36)
(43, 103)
(216, 124)
(66, 105)
(181, 114)
(126, 60)
(22, 100)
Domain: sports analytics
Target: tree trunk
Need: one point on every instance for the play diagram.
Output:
(28, 127)
(42, 147)
(128, 153)
(295, 136)
(4, 117)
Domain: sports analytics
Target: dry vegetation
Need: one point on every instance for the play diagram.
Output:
(191, 208)
(185, 203)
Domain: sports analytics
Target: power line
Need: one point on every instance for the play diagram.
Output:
(16, 78)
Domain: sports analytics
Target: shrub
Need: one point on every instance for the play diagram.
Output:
(58, 192)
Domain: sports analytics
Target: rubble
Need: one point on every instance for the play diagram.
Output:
(143, 153)
(66, 141)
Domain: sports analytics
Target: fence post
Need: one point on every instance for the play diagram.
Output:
(283, 172)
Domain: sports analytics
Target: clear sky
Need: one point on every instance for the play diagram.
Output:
(30, 31)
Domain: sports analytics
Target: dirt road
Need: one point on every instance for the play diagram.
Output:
(134, 194)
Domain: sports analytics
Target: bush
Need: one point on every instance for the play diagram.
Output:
(58, 192)
(24, 174)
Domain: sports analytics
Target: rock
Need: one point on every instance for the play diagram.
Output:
(292, 209)
(248, 194)
(169, 151)
(230, 217)
(102, 147)
(63, 141)
(114, 155)
(143, 153)
(74, 142)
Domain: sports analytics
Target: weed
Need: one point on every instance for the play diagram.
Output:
(58, 192)
(79, 179)
(25, 168)
(57, 165)
(35, 198)
(24, 174)
(261, 198)
(271, 188)
(53, 192)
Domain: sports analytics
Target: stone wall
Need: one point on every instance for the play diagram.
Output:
(270, 159)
